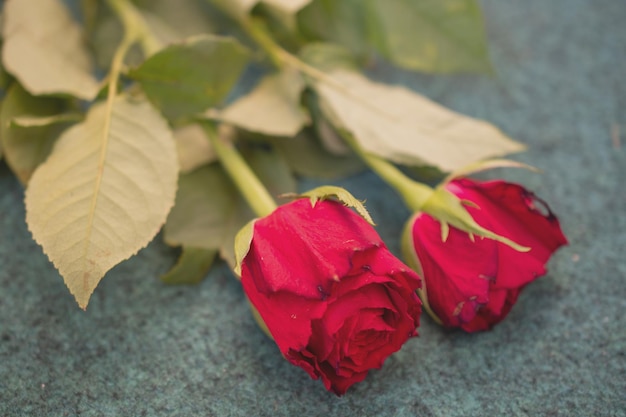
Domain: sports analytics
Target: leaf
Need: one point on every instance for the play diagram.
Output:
(272, 108)
(26, 147)
(191, 268)
(241, 8)
(405, 127)
(193, 147)
(189, 77)
(209, 210)
(288, 6)
(284, 11)
(236, 8)
(172, 21)
(327, 56)
(485, 166)
(41, 121)
(426, 35)
(307, 157)
(43, 49)
(104, 192)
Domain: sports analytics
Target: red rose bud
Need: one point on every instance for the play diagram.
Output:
(472, 282)
(335, 300)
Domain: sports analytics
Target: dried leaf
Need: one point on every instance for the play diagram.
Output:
(192, 266)
(426, 35)
(104, 192)
(187, 78)
(43, 49)
(193, 147)
(272, 108)
(171, 21)
(25, 147)
(240, 8)
(405, 127)
(41, 121)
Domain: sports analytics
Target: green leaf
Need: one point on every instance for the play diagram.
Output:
(104, 192)
(284, 11)
(43, 49)
(236, 8)
(209, 210)
(27, 146)
(307, 157)
(327, 56)
(272, 108)
(405, 127)
(204, 205)
(192, 266)
(426, 35)
(189, 77)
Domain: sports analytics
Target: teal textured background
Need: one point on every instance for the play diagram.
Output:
(143, 348)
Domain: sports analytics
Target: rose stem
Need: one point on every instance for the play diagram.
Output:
(415, 194)
(253, 191)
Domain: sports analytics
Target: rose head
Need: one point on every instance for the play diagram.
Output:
(472, 282)
(335, 300)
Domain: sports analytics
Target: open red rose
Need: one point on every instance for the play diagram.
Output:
(335, 300)
(472, 282)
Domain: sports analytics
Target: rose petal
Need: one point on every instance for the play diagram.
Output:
(511, 211)
(457, 273)
(304, 250)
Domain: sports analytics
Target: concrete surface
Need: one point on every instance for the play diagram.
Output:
(145, 349)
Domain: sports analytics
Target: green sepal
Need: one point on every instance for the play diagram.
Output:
(410, 257)
(192, 266)
(259, 320)
(449, 210)
(243, 240)
(329, 191)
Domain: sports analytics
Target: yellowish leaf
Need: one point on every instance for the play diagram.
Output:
(272, 108)
(43, 48)
(104, 192)
(240, 8)
(193, 147)
(405, 127)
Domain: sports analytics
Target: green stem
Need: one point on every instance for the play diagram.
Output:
(413, 193)
(253, 191)
(136, 26)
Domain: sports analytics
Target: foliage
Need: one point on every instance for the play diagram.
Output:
(104, 113)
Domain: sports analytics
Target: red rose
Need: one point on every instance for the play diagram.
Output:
(471, 282)
(335, 300)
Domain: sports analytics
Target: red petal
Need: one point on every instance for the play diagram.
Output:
(304, 249)
(457, 273)
(512, 211)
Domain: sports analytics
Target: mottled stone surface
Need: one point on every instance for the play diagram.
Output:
(143, 348)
